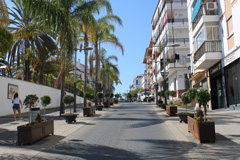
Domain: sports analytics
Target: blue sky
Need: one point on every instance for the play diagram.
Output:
(135, 35)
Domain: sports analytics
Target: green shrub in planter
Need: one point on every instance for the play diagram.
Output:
(99, 95)
(191, 94)
(203, 97)
(87, 95)
(185, 100)
(30, 102)
(68, 99)
(45, 100)
(167, 93)
(172, 94)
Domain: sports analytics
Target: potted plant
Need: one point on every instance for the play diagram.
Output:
(172, 94)
(88, 110)
(111, 96)
(183, 115)
(116, 98)
(36, 130)
(99, 95)
(107, 103)
(171, 109)
(45, 100)
(202, 128)
(161, 95)
(69, 117)
(167, 94)
(191, 94)
(30, 102)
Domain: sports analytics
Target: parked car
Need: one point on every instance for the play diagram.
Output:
(121, 100)
(145, 95)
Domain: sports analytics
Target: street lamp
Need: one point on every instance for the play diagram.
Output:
(75, 63)
(164, 73)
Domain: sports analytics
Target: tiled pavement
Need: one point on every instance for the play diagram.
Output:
(128, 131)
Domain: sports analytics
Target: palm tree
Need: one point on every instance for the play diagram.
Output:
(4, 17)
(64, 17)
(106, 62)
(30, 37)
(102, 34)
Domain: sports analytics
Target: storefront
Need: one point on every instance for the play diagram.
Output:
(217, 89)
(233, 84)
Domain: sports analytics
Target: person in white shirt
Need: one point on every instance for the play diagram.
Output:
(16, 106)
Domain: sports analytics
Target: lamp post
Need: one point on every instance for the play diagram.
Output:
(75, 63)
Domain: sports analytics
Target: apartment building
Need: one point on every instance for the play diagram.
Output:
(137, 83)
(170, 46)
(214, 46)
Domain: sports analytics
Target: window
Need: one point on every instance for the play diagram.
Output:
(212, 33)
(229, 26)
(136, 82)
(199, 40)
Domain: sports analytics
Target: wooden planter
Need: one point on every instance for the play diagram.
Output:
(69, 118)
(111, 103)
(148, 100)
(106, 104)
(171, 111)
(204, 131)
(116, 101)
(99, 107)
(30, 134)
(184, 116)
(88, 111)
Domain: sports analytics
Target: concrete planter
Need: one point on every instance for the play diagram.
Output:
(99, 107)
(35, 132)
(171, 111)
(204, 131)
(183, 116)
(69, 118)
(88, 111)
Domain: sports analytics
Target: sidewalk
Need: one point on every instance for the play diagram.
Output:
(227, 128)
(8, 132)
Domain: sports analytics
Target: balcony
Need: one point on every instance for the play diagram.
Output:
(204, 16)
(207, 54)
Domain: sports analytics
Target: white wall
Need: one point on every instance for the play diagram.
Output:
(25, 88)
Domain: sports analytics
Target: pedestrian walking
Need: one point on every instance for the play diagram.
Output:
(16, 101)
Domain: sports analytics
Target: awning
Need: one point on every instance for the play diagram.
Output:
(196, 9)
(197, 75)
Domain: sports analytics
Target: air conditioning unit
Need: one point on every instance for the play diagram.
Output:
(211, 6)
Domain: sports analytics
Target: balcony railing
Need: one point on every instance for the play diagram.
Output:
(207, 46)
(201, 13)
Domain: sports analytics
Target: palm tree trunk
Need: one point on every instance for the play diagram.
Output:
(27, 64)
(62, 106)
(85, 69)
(104, 92)
(96, 73)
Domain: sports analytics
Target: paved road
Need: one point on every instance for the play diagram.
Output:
(132, 131)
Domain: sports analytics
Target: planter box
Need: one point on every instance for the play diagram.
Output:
(88, 111)
(116, 101)
(204, 131)
(106, 104)
(69, 118)
(111, 103)
(183, 116)
(99, 107)
(30, 134)
(148, 100)
(171, 111)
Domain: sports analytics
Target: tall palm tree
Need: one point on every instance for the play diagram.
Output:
(30, 37)
(64, 17)
(4, 17)
(106, 62)
(103, 34)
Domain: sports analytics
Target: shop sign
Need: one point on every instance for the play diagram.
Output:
(215, 69)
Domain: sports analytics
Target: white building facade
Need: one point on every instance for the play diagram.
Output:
(170, 43)
(214, 47)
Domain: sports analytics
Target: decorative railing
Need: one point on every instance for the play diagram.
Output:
(207, 46)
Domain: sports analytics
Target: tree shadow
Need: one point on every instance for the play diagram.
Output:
(76, 149)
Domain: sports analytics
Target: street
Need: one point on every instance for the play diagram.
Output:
(125, 131)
